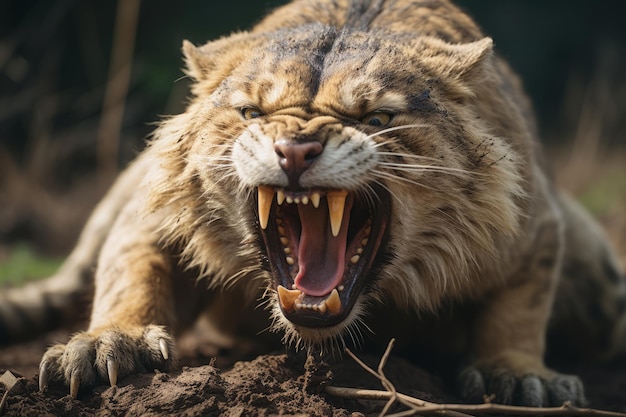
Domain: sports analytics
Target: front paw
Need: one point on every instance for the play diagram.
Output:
(533, 389)
(89, 358)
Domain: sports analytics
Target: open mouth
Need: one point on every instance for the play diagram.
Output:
(321, 245)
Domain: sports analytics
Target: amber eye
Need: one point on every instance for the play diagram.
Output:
(251, 113)
(377, 119)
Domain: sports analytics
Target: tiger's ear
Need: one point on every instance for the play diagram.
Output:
(209, 64)
(456, 60)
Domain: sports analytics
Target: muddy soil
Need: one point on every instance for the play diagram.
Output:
(271, 384)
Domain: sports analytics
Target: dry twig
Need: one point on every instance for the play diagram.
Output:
(420, 407)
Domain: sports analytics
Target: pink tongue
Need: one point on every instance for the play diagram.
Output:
(321, 256)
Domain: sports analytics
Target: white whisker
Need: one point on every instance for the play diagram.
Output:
(392, 129)
(426, 168)
(400, 201)
(388, 175)
(408, 156)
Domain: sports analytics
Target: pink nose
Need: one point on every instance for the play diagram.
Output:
(296, 157)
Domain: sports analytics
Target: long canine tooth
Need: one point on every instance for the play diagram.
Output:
(287, 298)
(315, 199)
(336, 203)
(333, 302)
(266, 194)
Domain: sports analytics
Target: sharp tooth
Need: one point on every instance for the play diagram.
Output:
(266, 194)
(289, 200)
(284, 240)
(290, 260)
(355, 259)
(287, 250)
(336, 203)
(296, 200)
(305, 200)
(322, 307)
(333, 303)
(280, 197)
(287, 297)
(315, 199)
(364, 242)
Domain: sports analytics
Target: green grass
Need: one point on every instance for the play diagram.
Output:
(23, 264)
(604, 194)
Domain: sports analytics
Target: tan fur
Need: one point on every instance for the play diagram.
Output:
(475, 220)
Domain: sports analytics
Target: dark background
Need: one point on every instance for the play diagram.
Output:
(55, 66)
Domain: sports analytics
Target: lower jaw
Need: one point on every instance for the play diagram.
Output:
(311, 334)
(326, 312)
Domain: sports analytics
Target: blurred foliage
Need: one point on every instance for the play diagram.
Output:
(24, 264)
(606, 193)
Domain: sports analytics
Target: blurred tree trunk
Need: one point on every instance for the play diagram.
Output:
(120, 69)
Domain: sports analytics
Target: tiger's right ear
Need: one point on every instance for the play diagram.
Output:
(210, 63)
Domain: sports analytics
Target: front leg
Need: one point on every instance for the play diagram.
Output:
(133, 307)
(509, 337)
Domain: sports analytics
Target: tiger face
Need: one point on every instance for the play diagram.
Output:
(364, 162)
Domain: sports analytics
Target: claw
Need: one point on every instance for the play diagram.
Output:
(74, 384)
(43, 376)
(112, 368)
(163, 347)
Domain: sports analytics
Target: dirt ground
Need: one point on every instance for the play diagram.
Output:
(272, 384)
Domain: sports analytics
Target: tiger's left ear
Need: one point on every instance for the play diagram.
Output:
(456, 60)
(210, 63)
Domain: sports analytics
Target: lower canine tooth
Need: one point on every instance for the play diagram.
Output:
(336, 204)
(266, 195)
(287, 298)
(333, 302)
